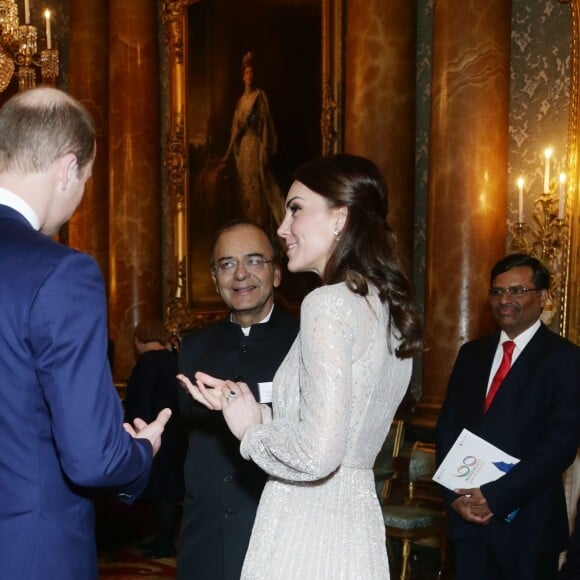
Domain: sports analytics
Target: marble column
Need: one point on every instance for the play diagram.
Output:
(88, 77)
(380, 100)
(468, 163)
(135, 173)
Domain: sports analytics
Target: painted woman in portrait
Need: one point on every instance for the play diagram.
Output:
(252, 144)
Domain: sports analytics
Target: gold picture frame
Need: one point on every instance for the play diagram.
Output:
(185, 310)
(570, 299)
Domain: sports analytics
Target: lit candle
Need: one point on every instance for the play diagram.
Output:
(520, 200)
(548, 154)
(48, 34)
(562, 197)
(27, 11)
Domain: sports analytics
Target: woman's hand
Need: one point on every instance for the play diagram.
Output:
(240, 408)
(207, 390)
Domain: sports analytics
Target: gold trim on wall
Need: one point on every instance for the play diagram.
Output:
(570, 301)
(331, 122)
(181, 314)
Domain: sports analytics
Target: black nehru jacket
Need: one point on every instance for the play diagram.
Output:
(222, 488)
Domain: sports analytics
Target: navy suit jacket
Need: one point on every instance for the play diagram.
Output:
(535, 416)
(60, 417)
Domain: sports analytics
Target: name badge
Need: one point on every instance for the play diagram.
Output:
(265, 390)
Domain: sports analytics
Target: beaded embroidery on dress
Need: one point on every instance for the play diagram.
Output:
(334, 399)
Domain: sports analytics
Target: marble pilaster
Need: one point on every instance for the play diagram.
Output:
(380, 100)
(134, 173)
(88, 229)
(468, 164)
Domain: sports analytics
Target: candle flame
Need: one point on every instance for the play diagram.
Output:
(520, 182)
(562, 178)
(548, 152)
(47, 13)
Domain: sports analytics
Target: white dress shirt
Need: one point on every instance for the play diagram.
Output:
(18, 204)
(521, 342)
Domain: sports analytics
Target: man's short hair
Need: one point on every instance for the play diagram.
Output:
(151, 329)
(541, 274)
(41, 125)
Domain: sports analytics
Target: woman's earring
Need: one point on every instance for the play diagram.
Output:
(335, 232)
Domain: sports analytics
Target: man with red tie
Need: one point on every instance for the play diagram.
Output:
(519, 389)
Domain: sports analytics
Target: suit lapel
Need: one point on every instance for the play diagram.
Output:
(485, 361)
(532, 352)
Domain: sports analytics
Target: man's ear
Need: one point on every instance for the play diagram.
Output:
(277, 275)
(214, 278)
(544, 295)
(66, 168)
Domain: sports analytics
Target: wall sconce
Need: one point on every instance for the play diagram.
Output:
(545, 236)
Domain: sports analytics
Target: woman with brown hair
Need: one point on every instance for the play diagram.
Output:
(336, 393)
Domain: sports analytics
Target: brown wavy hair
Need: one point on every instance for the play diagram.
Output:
(365, 252)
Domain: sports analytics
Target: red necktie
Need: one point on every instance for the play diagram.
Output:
(502, 371)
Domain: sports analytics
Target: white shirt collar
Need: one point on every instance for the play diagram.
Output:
(523, 338)
(521, 342)
(246, 329)
(18, 204)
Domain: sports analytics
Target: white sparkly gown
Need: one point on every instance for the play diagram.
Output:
(334, 398)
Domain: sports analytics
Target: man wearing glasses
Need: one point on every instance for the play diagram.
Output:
(223, 489)
(519, 389)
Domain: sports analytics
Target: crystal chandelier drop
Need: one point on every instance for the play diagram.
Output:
(18, 49)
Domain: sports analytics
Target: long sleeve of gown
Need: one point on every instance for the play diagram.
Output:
(312, 444)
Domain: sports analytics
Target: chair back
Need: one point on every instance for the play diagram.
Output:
(422, 461)
(422, 466)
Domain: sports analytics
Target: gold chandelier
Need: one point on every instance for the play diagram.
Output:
(18, 49)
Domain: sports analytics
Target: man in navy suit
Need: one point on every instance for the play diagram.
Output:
(61, 421)
(534, 416)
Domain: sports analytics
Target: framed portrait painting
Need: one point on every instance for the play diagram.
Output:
(254, 92)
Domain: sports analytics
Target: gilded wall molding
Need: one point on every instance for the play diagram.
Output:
(570, 301)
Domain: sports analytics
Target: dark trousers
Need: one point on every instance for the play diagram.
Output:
(166, 519)
(475, 560)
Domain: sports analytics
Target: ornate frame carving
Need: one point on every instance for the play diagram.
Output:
(571, 304)
(570, 300)
(181, 314)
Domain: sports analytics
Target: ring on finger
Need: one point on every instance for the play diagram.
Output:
(232, 394)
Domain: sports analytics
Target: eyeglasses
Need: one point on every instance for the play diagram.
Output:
(516, 291)
(228, 266)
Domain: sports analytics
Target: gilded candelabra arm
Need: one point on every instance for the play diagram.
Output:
(545, 239)
(519, 244)
(550, 232)
(49, 66)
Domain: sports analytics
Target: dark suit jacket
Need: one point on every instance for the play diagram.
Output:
(152, 387)
(223, 489)
(535, 416)
(60, 417)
